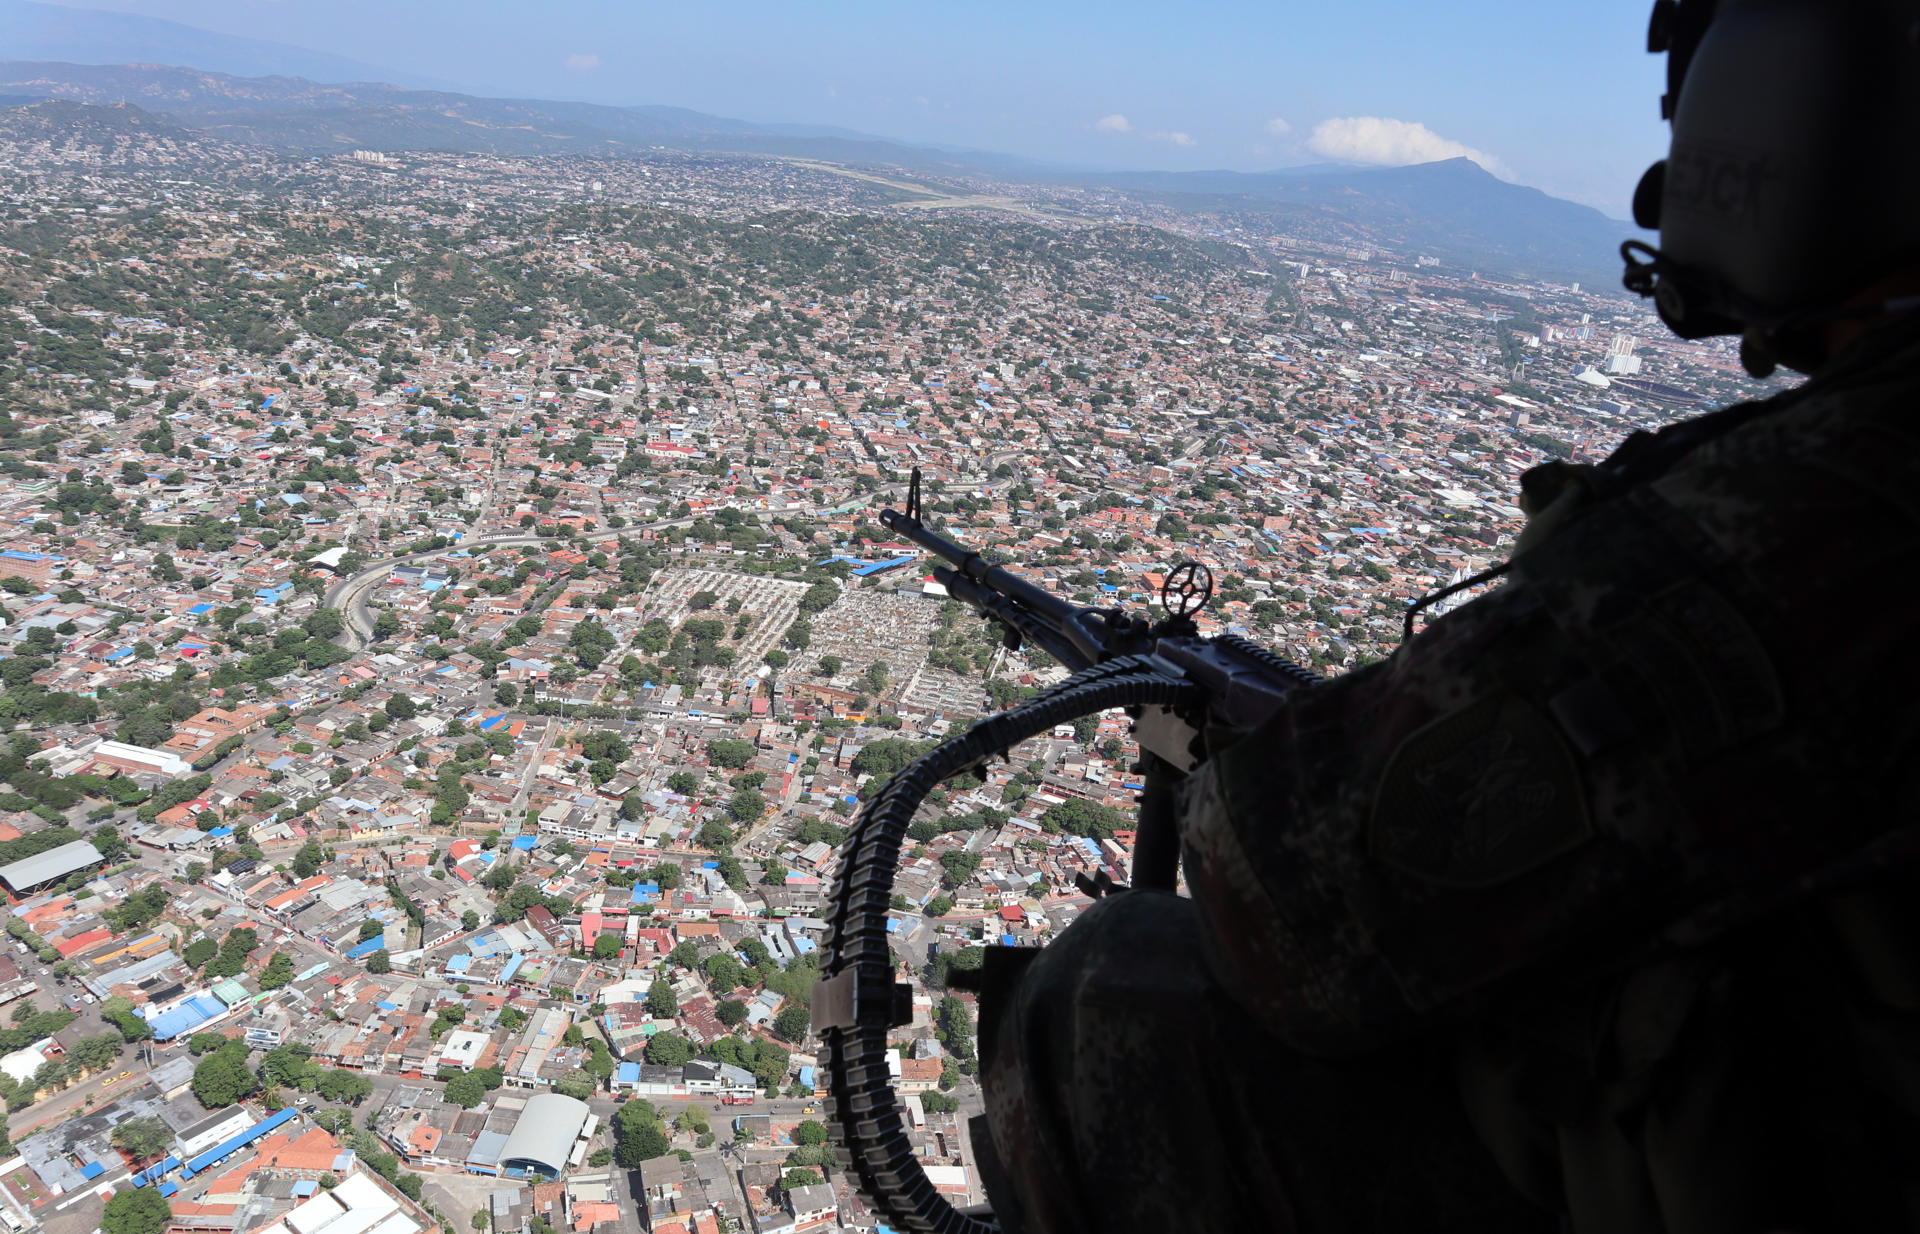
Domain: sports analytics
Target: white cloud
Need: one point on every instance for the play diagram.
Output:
(1278, 127)
(1116, 123)
(1175, 138)
(582, 62)
(1391, 143)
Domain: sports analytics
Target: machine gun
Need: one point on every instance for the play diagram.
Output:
(1186, 694)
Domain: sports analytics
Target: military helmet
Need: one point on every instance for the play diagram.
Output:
(1793, 176)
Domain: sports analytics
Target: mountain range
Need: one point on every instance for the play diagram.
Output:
(271, 95)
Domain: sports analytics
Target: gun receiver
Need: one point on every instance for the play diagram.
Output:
(1185, 693)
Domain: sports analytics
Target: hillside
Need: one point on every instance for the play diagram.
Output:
(1455, 210)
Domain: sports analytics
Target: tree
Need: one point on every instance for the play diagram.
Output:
(400, 707)
(278, 972)
(606, 946)
(307, 862)
(730, 752)
(143, 1138)
(830, 665)
(747, 805)
(795, 1179)
(469, 921)
(222, 1077)
(386, 625)
(466, 1091)
(731, 1012)
(1083, 818)
(117, 1010)
(93, 1053)
(338, 1085)
(809, 1132)
(724, 972)
(792, 1022)
(136, 1211)
(576, 1084)
(661, 1003)
(715, 834)
(960, 865)
(889, 754)
(380, 962)
(638, 1135)
(668, 1049)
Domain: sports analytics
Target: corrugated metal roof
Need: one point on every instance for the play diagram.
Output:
(54, 863)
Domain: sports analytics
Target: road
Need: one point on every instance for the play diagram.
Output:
(519, 808)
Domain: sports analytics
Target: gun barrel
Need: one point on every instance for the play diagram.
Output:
(1045, 605)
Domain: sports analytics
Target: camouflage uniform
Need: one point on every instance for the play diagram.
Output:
(1598, 893)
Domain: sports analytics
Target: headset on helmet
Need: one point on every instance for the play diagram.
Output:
(1792, 182)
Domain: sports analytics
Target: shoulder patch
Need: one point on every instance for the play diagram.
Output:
(1479, 797)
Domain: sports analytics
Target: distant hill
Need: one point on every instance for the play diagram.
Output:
(71, 122)
(1452, 210)
(294, 113)
(1455, 210)
(33, 31)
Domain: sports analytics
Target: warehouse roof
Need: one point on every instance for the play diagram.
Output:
(31, 872)
(546, 1131)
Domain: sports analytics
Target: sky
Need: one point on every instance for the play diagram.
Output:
(1559, 96)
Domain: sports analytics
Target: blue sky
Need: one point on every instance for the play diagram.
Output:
(1556, 95)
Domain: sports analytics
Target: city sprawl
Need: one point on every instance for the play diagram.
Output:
(447, 630)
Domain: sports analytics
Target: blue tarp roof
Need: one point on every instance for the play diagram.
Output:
(93, 1169)
(629, 1073)
(513, 966)
(367, 947)
(523, 843)
(186, 1017)
(240, 1141)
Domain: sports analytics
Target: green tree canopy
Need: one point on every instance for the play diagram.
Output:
(668, 1049)
(222, 1077)
(136, 1211)
(661, 1003)
(730, 752)
(144, 1137)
